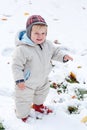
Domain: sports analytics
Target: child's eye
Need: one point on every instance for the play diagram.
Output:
(43, 33)
(37, 33)
(40, 34)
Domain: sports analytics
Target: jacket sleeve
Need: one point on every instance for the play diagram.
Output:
(58, 53)
(18, 62)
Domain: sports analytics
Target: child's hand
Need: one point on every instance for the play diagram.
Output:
(21, 85)
(67, 58)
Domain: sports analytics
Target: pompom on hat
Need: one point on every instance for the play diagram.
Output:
(34, 20)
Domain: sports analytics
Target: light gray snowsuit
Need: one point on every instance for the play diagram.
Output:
(33, 65)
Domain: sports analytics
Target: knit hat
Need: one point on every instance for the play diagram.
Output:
(34, 20)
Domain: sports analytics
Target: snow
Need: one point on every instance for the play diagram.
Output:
(67, 22)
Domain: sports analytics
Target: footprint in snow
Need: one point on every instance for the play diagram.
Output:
(7, 51)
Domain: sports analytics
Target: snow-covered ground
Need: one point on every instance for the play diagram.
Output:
(67, 22)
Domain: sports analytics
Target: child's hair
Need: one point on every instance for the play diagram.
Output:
(39, 26)
(34, 20)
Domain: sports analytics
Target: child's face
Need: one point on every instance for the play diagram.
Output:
(38, 33)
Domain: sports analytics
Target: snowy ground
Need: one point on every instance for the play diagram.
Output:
(67, 22)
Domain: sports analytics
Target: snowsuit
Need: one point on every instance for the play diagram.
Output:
(33, 65)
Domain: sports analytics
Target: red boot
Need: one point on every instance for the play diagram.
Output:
(42, 109)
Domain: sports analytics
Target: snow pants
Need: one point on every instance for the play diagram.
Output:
(25, 98)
